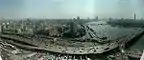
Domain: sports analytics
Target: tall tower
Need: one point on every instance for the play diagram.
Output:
(134, 16)
(96, 18)
(0, 28)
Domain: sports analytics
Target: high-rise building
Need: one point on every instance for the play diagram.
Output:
(134, 16)
(78, 18)
(97, 18)
(0, 28)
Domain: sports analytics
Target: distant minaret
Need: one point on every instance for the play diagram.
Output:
(134, 16)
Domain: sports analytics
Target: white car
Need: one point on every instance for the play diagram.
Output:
(0, 58)
(142, 57)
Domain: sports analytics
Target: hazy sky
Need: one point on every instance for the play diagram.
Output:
(70, 8)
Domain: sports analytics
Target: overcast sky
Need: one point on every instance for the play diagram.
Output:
(70, 8)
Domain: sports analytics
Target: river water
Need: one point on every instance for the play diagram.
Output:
(138, 45)
(102, 29)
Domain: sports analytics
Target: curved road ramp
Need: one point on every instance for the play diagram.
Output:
(100, 38)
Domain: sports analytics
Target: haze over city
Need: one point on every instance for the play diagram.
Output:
(17, 9)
